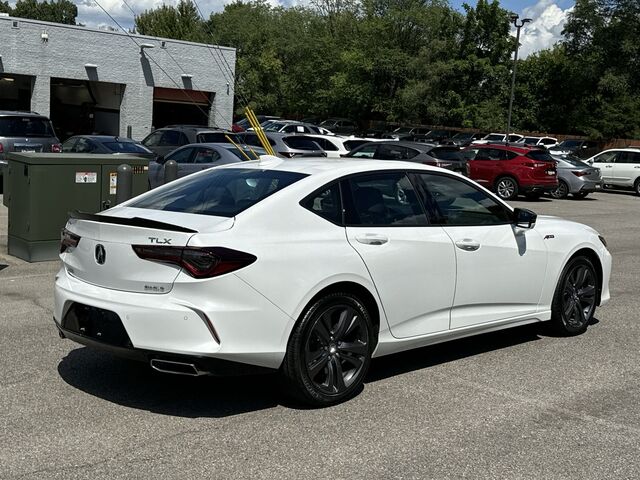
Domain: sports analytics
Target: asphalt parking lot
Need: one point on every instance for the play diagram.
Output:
(513, 404)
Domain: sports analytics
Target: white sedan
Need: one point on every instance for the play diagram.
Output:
(312, 267)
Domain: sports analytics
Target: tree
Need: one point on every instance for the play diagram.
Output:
(57, 11)
(5, 7)
(181, 22)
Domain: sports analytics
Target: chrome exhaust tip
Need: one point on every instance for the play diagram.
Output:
(177, 368)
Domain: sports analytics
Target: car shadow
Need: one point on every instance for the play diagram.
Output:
(134, 384)
(430, 356)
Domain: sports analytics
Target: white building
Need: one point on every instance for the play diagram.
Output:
(97, 81)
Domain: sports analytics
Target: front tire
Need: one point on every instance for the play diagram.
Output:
(329, 351)
(574, 301)
(506, 188)
(636, 186)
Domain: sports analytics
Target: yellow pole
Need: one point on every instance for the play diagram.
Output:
(238, 147)
(259, 132)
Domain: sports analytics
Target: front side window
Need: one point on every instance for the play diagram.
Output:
(326, 203)
(85, 146)
(606, 157)
(152, 140)
(382, 199)
(170, 138)
(453, 202)
(220, 192)
(182, 156)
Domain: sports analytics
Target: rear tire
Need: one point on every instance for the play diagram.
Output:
(574, 301)
(506, 188)
(562, 191)
(636, 186)
(329, 351)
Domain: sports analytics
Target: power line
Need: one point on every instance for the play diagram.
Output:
(147, 55)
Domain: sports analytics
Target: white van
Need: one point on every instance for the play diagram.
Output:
(620, 167)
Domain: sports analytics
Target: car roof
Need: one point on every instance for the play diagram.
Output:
(330, 167)
(520, 149)
(106, 138)
(16, 113)
(228, 146)
(623, 149)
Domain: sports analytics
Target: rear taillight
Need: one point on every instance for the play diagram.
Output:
(198, 262)
(68, 240)
(533, 164)
(1, 148)
(580, 173)
(56, 148)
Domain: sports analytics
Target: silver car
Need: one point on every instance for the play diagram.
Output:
(576, 177)
(25, 132)
(285, 144)
(200, 156)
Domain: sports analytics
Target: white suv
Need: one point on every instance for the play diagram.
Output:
(620, 167)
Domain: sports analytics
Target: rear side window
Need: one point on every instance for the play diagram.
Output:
(254, 140)
(326, 203)
(221, 192)
(395, 152)
(382, 199)
(326, 145)
(25, 127)
(300, 143)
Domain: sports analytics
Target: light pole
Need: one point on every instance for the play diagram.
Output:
(514, 19)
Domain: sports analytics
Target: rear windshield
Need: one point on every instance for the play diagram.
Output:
(125, 147)
(215, 137)
(220, 192)
(300, 143)
(540, 155)
(25, 127)
(253, 153)
(446, 154)
(570, 143)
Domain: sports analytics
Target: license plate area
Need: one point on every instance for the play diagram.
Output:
(550, 172)
(96, 323)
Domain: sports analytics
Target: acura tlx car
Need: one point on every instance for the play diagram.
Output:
(312, 267)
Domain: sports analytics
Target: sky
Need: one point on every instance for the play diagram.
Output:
(548, 16)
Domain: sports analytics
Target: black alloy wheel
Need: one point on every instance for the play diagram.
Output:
(506, 188)
(329, 351)
(574, 302)
(562, 191)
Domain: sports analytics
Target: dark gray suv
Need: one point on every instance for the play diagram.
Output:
(25, 132)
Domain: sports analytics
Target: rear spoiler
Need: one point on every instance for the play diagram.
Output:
(132, 222)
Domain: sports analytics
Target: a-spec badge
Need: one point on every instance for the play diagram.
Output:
(101, 254)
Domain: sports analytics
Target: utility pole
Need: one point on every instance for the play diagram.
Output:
(514, 19)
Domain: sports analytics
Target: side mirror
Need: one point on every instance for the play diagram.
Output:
(160, 159)
(524, 218)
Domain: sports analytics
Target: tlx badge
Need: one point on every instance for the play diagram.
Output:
(162, 241)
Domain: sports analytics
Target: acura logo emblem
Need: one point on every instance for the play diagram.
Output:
(101, 254)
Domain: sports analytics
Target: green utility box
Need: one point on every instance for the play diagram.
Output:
(41, 188)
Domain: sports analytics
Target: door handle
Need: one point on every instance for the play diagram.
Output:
(637, 166)
(372, 239)
(468, 245)
(608, 166)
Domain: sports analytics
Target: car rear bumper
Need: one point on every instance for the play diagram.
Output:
(222, 318)
(539, 187)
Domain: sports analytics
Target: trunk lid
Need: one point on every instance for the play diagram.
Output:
(104, 255)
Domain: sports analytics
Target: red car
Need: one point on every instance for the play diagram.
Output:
(510, 170)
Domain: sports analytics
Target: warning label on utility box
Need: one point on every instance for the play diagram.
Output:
(86, 177)
(113, 183)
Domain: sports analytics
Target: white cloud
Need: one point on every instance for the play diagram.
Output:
(546, 28)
